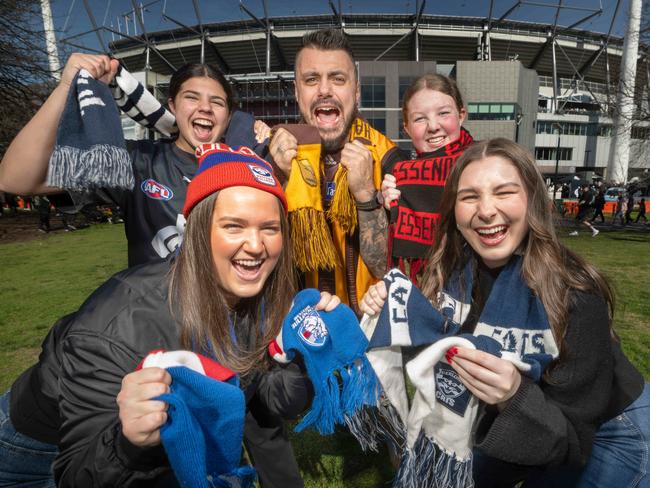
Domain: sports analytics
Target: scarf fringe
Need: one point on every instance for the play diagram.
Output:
(343, 208)
(345, 392)
(429, 466)
(100, 166)
(311, 240)
(325, 410)
(373, 425)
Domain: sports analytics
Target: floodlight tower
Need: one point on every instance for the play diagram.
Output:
(50, 40)
(619, 158)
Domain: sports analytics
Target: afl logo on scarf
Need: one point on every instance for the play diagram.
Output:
(156, 191)
(262, 175)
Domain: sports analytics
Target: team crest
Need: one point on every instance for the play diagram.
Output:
(450, 391)
(307, 172)
(262, 174)
(312, 330)
(156, 191)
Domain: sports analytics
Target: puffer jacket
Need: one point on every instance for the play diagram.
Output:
(68, 397)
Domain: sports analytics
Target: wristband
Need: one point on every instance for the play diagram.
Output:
(372, 204)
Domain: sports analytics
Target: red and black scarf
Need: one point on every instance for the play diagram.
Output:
(414, 217)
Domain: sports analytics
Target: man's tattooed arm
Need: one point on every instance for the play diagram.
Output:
(373, 237)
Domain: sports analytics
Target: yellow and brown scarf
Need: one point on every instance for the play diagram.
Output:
(324, 239)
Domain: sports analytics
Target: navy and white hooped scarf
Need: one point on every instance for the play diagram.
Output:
(435, 432)
(90, 151)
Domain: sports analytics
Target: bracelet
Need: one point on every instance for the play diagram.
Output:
(372, 204)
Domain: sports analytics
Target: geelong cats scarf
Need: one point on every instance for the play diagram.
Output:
(415, 216)
(435, 432)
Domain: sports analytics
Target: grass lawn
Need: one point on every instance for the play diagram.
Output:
(44, 279)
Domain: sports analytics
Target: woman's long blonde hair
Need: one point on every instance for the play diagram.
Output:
(551, 270)
(200, 306)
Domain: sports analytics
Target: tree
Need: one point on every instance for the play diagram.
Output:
(25, 77)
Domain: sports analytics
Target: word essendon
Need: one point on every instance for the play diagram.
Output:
(423, 172)
(416, 226)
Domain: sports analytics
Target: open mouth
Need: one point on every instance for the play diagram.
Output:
(435, 141)
(248, 269)
(491, 236)
(327, 116)
(202, 129)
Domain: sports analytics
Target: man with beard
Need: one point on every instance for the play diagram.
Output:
(332, 180)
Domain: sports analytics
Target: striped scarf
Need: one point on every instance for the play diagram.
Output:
(435, 433)
(415, 215)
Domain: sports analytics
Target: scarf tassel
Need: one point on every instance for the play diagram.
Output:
(317, 251)
(343, 208)
(429, 466)
(372, 426)
(102, 165)
(325, 410)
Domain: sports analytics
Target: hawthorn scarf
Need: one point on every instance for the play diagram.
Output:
(415, 215)
(90, 151)
(435, 433)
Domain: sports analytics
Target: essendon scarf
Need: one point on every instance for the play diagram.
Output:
(415, 216)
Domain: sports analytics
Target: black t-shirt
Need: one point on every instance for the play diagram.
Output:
(153, 210)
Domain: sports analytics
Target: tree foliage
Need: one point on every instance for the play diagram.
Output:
(25, 77)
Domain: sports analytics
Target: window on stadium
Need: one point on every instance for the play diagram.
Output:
(493, 111)
(373, 91)
(550, 153)
(573, 128)
(378, 123)
(641, 133)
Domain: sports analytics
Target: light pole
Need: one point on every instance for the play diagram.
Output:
(556, 127)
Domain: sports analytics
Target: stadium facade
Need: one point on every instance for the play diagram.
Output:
(505, 69)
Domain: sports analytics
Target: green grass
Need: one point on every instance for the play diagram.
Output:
(44, 279)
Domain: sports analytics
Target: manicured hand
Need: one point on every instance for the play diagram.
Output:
(327, 302)
(283, 148)
(373, 301)
(100, 67)
(389, 191)
(142, 417)
(489, 378)
(358, 160)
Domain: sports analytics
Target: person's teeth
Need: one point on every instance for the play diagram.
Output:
(248, 262)
(204, 123)
(491, 231)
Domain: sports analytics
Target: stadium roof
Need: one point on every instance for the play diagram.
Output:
(239, 47)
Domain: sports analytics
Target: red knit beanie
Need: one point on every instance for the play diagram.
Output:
(222, 167)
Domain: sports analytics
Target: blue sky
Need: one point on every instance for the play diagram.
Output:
(72, 15)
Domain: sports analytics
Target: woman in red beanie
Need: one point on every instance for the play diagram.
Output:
(83, 414)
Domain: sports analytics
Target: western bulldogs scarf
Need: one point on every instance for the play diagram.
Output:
(436, 431)
(414, 216)
(205, 427)
(332, 346)
(90, 150)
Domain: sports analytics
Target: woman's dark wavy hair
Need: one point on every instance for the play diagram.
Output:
(199, 303)
(549, 268)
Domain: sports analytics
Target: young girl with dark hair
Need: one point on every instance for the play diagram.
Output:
(201, 100)
(84, 413)
(587, 422)
(433, 112)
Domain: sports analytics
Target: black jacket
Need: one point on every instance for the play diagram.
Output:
(68, 397)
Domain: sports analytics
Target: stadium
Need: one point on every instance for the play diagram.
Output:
(505, 69)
